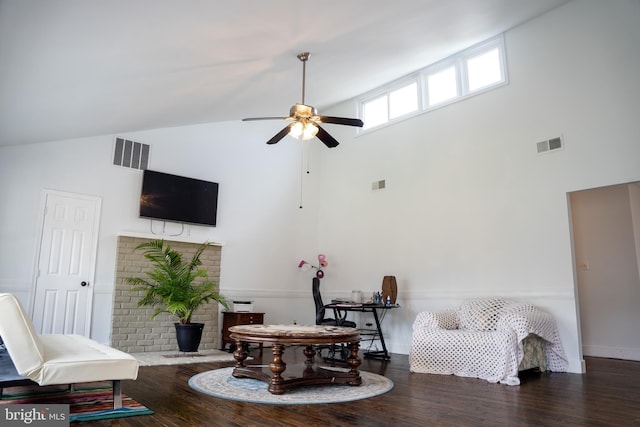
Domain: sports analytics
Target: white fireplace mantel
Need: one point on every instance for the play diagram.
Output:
(167, 237)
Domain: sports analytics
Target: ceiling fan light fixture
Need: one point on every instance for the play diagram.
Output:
(303, 130)
(305, 119)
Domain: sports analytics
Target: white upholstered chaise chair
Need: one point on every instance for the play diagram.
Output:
(54, 359)
(491, 338)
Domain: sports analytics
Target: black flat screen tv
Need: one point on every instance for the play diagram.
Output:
(177, 198)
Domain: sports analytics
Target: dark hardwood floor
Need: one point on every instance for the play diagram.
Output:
(607, 395)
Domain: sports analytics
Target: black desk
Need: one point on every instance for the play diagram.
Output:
(379, 311)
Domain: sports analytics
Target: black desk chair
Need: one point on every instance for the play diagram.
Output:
(320, 310)
(321, 320)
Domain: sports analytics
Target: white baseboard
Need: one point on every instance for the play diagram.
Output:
(611, 352)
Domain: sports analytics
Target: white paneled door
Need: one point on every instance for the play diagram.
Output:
(66, 264)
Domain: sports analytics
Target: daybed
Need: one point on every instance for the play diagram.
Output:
(53, 359)
(488, 339)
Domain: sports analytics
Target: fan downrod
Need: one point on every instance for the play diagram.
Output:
(304, 57)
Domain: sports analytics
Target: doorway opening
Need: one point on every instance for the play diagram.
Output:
(606, 245)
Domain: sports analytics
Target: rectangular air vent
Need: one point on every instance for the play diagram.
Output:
(378, 185)
(555, 144)
(549, 145)
(130, 154)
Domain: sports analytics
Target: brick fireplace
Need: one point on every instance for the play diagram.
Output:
(132, 329)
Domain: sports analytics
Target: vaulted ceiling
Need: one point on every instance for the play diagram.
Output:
(76, 68)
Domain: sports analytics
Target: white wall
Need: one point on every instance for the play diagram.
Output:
(470, 209)
(260, 223)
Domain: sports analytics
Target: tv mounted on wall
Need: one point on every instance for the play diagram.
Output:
(177, 198)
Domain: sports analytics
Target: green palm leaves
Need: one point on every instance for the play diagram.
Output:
(171, 286)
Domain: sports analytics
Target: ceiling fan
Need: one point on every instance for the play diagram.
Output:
(305, 121)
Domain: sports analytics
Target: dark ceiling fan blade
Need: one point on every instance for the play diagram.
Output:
(280, 134)
(248, 119)
(328, 140)
(341, 121)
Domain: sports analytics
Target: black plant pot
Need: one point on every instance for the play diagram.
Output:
(188, 336)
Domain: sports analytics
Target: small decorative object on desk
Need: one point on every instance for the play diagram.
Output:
(390, 288)
(356, 296)
(376, 298)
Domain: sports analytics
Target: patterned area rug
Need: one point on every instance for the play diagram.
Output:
(220, 383)
(178, 358)
(85, 404)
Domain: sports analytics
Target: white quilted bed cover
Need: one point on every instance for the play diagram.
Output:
(483, 339)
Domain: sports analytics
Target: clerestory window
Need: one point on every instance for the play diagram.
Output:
(467, 73)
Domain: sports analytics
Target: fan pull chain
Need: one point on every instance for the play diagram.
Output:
(304, 167)
(308, 155)
(301, 170)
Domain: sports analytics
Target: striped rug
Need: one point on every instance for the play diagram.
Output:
(88, 403)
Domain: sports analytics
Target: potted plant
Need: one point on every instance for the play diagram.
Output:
(171, 287)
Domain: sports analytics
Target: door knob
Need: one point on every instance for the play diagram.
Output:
(83, 284)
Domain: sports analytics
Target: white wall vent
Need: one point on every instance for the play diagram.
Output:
(378, 185)
(130, 154)
(549, 145)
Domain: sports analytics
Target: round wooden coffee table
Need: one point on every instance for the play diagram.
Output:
(281, 335)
